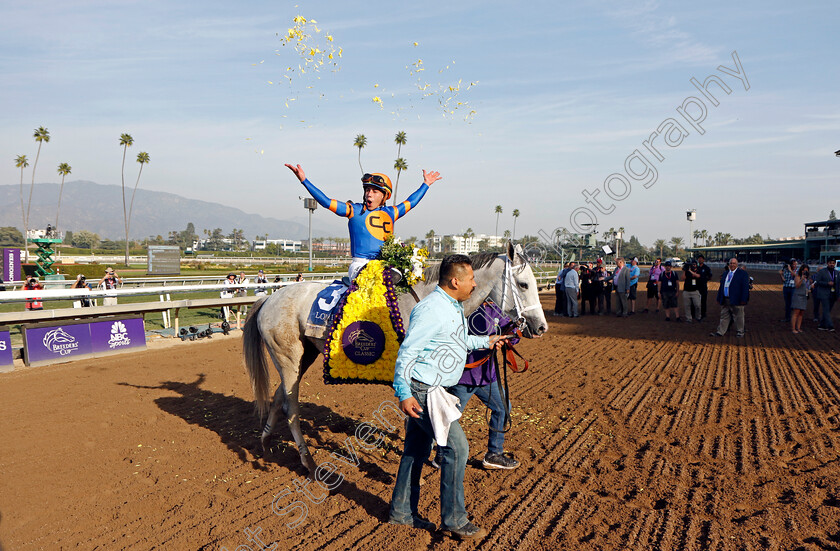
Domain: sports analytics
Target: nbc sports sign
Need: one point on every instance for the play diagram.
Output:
(48, 343)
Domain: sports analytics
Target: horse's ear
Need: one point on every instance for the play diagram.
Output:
(511, 252)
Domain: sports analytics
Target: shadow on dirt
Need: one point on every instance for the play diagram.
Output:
(234, 420)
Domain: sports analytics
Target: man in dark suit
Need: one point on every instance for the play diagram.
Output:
(733, 295)
(825, 292)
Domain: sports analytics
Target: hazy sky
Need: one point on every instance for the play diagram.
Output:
(563, 94)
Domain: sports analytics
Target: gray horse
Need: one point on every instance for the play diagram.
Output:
(278, 322)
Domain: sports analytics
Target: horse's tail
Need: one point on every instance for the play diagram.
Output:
(255, 361)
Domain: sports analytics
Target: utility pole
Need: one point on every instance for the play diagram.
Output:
(310, 205)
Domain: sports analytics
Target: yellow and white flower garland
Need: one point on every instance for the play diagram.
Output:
(371, 298)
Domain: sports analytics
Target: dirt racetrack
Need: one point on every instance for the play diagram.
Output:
(633, 434)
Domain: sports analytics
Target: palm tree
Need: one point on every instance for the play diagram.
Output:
(498, 212)
(430, 240)
(126, 141)
(515, 216)
(507, 234)
(400, 140)
(22, 162)
(63, 169)
(704, 235)
(676, 242)
(400, 165)
(696, 236)
(727, 238)
(41, 135)
(659, 244)
(142, 158)
(360, 142)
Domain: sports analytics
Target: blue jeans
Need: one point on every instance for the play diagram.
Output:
(418, 443)
(492, 398)
(787, 292)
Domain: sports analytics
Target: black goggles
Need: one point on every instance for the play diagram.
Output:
(368, 178)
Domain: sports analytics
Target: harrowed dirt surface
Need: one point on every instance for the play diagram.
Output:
(633, 434)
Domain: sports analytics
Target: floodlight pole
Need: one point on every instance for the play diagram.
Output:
(310, 205)
(691, 216)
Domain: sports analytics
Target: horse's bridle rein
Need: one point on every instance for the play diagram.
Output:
(508, 280)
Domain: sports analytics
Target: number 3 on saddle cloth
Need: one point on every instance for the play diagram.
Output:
(366, 330)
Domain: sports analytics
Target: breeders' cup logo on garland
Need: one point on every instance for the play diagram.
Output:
(119, 335)
(58, 341)
(363, 342)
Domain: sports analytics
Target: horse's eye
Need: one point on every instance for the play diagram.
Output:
(523, 285)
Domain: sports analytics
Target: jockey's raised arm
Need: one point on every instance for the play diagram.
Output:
(371, 221)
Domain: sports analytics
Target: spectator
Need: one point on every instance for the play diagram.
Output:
(228, 292)
(691, 292)
(109, 281)
(277, 278)
(260, 291)
(733, 295)
(298, 278)
(32, 284)
(702, 284)
(242, 280)
(635, 272)
(588, 288)
(825, 291)
(669, 292)
(788, 275)
(653, 284)
(571, 283)
(621, 282)
(799, 298)
(559, 291)
(603, 279)
(81, 283)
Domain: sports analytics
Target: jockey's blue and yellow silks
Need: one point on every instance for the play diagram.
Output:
(368, 228)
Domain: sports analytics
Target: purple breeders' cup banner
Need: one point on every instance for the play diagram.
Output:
(49, 344)
(111, 336)
(363, 342)
(6, 358)
(11, 265)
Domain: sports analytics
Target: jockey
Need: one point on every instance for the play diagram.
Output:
(372, 221)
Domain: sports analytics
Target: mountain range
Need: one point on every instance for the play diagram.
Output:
(98, 208)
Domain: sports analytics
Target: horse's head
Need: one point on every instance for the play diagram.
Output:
(518, 293)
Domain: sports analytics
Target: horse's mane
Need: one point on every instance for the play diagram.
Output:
(480, 260)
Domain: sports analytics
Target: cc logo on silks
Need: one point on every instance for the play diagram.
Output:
(379, 224)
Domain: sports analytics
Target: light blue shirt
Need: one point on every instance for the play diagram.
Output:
(635, 272)
(435, 348)
(572, 280)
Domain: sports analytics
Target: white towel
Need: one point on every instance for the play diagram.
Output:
(443, 409)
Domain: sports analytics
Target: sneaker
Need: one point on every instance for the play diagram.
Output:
(469, 531)
(715, 334)
(499, 461)
(645, 311)
(823, 328)
(416, 522)
(739, 334)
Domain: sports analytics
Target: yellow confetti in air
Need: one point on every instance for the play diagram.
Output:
(377, 99)
(416, 44)
(376, 86)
